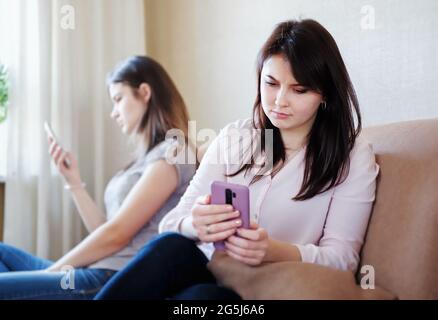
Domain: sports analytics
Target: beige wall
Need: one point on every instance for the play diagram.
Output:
(209, 48)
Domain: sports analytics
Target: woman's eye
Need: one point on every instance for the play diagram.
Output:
(270, 83)
(300, 91)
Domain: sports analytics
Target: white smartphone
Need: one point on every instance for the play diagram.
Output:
(52, 135)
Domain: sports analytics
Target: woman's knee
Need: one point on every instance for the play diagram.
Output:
(173, 241)
(5, 248)
(170, 246)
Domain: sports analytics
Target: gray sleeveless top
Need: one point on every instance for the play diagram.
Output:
(119, 187)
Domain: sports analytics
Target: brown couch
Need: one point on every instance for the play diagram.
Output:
(402, 237)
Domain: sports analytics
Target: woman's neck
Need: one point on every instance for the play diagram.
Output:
(293, 141)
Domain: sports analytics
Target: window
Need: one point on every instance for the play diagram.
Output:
(18, 29)
(4, 53)
(3, 149)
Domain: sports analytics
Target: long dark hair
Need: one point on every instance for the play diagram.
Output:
(166, 109)
(317, 64)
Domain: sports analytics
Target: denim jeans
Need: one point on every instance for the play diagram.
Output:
(22, 276)
(169, 266)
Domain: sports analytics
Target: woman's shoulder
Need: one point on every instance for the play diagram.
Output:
(362, 149)
(176, 153)
(167, 149)
(162, 146)
(157, 152)
(240, 124)
(359, 180)
(362, 158)
(240, 130)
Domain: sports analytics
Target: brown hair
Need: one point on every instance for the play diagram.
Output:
(317, 64)
(166, 109)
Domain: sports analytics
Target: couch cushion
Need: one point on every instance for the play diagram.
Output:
(289, 281)
(402, 238)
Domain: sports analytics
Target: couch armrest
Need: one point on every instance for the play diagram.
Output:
(289, 281)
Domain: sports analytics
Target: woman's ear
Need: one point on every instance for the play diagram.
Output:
(145, 92)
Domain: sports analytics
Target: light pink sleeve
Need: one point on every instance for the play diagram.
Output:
(211, 168)
(348, 215)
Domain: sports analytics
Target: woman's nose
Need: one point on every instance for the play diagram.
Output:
(280, 99)
(114, 113)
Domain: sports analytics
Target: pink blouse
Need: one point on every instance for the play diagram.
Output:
(327, 229)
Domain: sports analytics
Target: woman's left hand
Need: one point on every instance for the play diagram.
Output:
(248, 245)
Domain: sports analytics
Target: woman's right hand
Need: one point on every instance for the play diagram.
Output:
(59, 156)
(210, 220)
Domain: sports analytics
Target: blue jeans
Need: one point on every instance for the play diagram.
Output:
(22, 276)
(170, 266)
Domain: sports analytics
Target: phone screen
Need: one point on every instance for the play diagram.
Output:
(49, 131)
(51, 134)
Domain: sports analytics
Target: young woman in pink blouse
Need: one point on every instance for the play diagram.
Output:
(312, 204)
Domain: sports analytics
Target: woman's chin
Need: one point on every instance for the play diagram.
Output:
(126, 131)
(280, 123)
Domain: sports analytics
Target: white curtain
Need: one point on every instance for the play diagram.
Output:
(58, 54)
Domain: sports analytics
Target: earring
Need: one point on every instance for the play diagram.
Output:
(324, 105)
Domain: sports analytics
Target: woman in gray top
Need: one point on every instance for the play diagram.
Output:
(146, 106)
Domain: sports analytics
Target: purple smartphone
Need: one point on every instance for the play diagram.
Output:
(235, 194)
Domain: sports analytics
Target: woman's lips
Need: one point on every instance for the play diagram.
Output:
(280, 115)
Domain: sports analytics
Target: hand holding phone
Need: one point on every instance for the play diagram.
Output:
(52, 135)
(235, 195)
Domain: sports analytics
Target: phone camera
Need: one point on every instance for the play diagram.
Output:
(229, 196)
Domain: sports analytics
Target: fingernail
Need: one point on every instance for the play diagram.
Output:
(238, 222)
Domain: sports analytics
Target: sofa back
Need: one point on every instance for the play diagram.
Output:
(402, 237)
